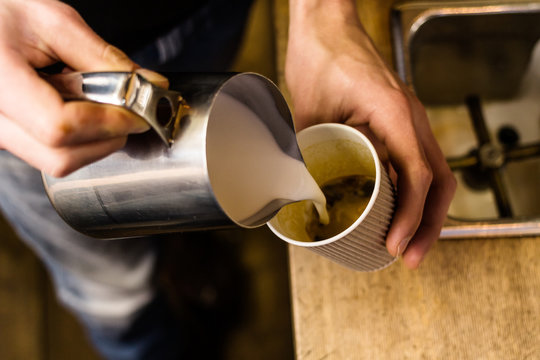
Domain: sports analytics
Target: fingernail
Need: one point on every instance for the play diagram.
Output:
(154, 77)
(403, 245)
(119, 60)
(139, 126)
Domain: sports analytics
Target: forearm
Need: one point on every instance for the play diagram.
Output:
(308, 8)
(329, 27)
(322, 14)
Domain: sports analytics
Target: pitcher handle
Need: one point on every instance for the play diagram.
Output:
(160, 108)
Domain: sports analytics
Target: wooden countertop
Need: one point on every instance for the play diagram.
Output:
(470, 299)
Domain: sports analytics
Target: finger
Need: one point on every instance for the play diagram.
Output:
(398, 134)
(79, 46)
(53, 161)
(24, 96)
(438, 200)
(82, 49)
(84, 121)
(38, 108)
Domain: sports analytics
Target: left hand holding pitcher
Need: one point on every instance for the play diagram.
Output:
(37, 125)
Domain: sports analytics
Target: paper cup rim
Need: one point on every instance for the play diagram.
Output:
(371, 202)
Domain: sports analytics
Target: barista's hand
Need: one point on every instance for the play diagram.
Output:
(36, 125)
(335, 74)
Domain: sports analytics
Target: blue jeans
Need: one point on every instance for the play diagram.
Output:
(109, 285)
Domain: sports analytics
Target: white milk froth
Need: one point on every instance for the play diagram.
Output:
(248, 169)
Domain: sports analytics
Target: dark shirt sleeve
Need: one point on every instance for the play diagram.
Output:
(130, 25)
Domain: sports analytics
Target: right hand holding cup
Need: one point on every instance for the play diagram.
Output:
(335, 74)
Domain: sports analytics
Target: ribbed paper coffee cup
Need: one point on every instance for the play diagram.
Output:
(334, 151)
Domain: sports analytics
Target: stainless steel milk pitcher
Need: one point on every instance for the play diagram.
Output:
(159, 182)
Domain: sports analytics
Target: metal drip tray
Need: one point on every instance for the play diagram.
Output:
(476, 67)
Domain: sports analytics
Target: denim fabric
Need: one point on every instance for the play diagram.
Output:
(108, 284)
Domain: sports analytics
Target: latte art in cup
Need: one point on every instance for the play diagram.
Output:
(346, 199)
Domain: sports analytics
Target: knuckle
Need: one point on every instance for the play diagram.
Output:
(59, 128)
(61, 16)
(59, 165)
(400, 100)
(449, 181)
(65, 12)
(57, 172)
(55, 135)
(424, 175)
(399, 105)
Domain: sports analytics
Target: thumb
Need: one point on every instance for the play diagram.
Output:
(78, 46)
(81, 49)
(94, 55)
